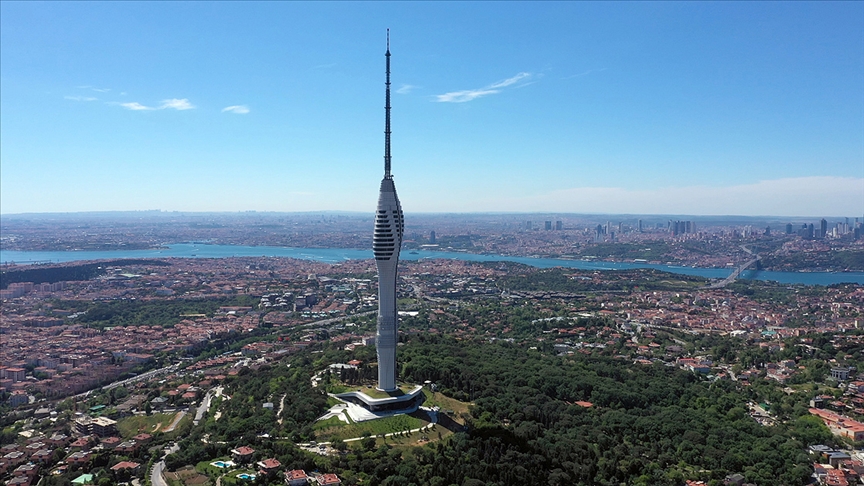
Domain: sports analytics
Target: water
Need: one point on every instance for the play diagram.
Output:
(336, 255)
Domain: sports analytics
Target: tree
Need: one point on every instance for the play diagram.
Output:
(339, 445)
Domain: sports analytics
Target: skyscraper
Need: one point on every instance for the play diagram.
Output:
(386, 243)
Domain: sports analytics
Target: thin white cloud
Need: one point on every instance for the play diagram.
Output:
(473, 94)
(463, 96)
(173, 103)
(238, 109)
(80, 98)
(406, 88)
(509, 81)
(135, 106)
(177, 104)
(799, 196)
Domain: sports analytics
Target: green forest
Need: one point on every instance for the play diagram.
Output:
(164, 313)
(82, 271)
(649, 425)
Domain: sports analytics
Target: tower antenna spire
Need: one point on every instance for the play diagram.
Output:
(387, 114)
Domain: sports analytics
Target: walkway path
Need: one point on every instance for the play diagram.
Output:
(177, 419)
(279, 413)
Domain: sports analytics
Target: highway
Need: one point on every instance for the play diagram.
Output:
(142, 376)
(333, 320)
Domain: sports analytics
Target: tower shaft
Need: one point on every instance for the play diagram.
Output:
(386, 243)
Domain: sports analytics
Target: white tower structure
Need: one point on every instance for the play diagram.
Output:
(386, 243)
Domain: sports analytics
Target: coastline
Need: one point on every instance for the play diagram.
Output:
(336, 255)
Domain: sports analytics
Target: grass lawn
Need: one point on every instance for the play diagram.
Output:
(437, 399)
(387, 425)
(336, 388)
(137, 424)
(375, 393)
(231, 478)
(204, 467)
(330, 422)
(409, 441)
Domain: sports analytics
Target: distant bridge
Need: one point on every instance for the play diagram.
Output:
(737, 272)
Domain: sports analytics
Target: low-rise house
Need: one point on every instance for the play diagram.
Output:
(28, 469)
(111, 442)
(35, 446)
(15, 458)
(129, 446)
(143, 438)
(20, 481)
(7, 448)
(242, 454)
(82, 442)
(329, 480)
(269, 465)
(125, 465)
(80, 457)
(58, 440)
(835, 477)
(296, 477)
(42, 456)
(840, 425)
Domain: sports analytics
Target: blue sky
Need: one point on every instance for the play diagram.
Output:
(650, 108)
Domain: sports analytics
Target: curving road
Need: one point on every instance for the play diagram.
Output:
(156, 478)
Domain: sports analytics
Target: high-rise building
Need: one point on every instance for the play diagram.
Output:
(432, 237)
(547, 225)
(386, 243)
(639, 225)
(559, 225)
(823, 228)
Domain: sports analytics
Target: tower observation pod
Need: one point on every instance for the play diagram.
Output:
(386, 243)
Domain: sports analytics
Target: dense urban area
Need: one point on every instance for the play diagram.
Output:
(816, 244)
(198, 371)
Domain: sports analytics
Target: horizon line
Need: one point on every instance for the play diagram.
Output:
(422, 213)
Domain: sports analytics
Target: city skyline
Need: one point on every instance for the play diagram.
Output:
(662, 108)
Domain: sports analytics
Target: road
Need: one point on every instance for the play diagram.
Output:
(205, 403)
(156, 473)
(142, 376)
(337, 319)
